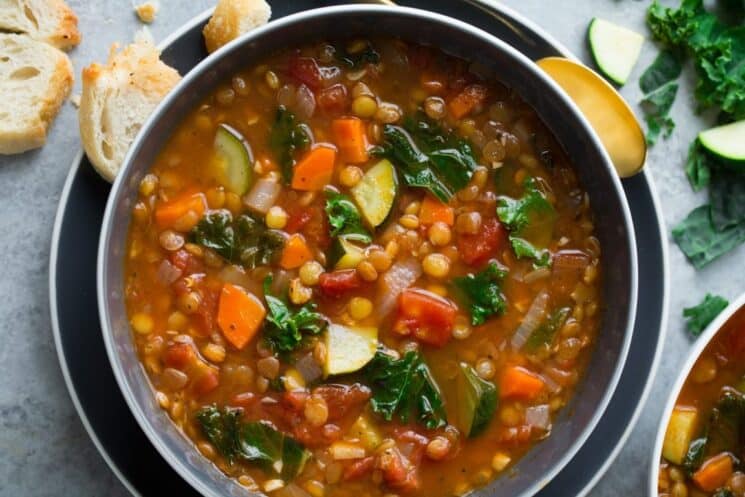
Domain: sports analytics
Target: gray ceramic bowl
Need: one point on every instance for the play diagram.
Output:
(697, 349)
(561, 116)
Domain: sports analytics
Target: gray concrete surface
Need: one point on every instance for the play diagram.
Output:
(44, 450)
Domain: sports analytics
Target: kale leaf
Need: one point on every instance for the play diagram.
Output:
(666, 67)
(255, 442)
(698, 317)
(695, 455)
(428, 157)
(344, 218)
(243, 240)
(405, 387)
(530, 220)
(701, 242)
(727, 198)
(698, 166)
(727, 424)
(545, 333)
(657, 105)
(358, 59)
(287, 137)
(482, 292)
(285, 328)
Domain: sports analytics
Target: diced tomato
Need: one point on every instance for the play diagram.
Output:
(467, 100)
(297, 219)
(341, 400)
(179, 355)
(397, 471)
(429, 317)
(360, 468)
(417, 442)
(334, 100)
(337, 283)
(306, 70)
(296, 399)
(479, 248)
(245, 399)
(311, 221)
(207, 382)
(186, 262)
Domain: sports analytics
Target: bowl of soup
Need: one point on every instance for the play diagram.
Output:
(699, 446)
(343, 260)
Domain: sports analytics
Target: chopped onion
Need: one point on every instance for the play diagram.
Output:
(263, 195)
(291, 490)
(309, 368)
(305, 102)
(532, 320)
(538, 417)
(342, 451)
(237, 275)
(286, 95)
(537, 274)
(551, 384)
(167, 272)
(398, 278)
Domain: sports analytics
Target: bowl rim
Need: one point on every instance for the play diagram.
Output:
(697, 348)
(203, 67)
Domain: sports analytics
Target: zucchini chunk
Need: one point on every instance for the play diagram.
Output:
(345, 254)
(614, 48)
(349, 348)
(234, 160)
(376, 192)
(679, 433)
(727, 142)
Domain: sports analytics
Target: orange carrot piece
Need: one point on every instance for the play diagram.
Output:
(463, 103)
(314, 171)
(714, 473)
(351, 139)
(432, 211)
(239, 315)
(296, 252)
(520, 383)
(167, 213)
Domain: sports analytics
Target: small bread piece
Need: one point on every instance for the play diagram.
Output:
(147, 11)
(232, 18)
(35, 79)
(117, 99)
(50, 21)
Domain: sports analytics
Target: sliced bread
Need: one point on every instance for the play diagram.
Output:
(117, 98)
(35, 79)
(232, 18)
(50, 21)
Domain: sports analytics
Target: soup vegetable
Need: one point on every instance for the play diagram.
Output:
(703, 447)
(363, 268)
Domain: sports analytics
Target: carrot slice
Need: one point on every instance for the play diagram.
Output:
(714, 473)
(467, 100)
(433, 211)
(314, 171)
(239, 315)
(296, 252)
(351, 139)
(167, 213)
(520, 383)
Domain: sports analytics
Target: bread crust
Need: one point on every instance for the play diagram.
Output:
(32, 132)
(116, 100)
(232, 18)
(50, 21)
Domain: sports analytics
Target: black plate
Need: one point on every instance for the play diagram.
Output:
(75, 314)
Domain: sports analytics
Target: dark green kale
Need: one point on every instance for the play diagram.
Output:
(405, 387)
(255, 442)
(287, 137)
(698, 166)
(665, 68)
(701, 242)
(243, 240)
(545, 333)
(286, 326)
(344, 218)
(428, 157)
(358, 59)
(698, 317)
(482, 294)
(657, 105)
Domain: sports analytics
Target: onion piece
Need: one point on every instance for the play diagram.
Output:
(532, 320)
(286, 95)
(309, 368)
(237, 276)
(398, 278)
(538, 417)
(167, 272)
(537, 274)
(551, 384)
(263, 195)
(570, 259)
(305, 102)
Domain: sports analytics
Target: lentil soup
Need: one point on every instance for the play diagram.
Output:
(702, 452)
(363, 268)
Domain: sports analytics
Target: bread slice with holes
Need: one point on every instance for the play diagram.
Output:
(232, 18)
(50, 21)
(35, 79)
(117, 98)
